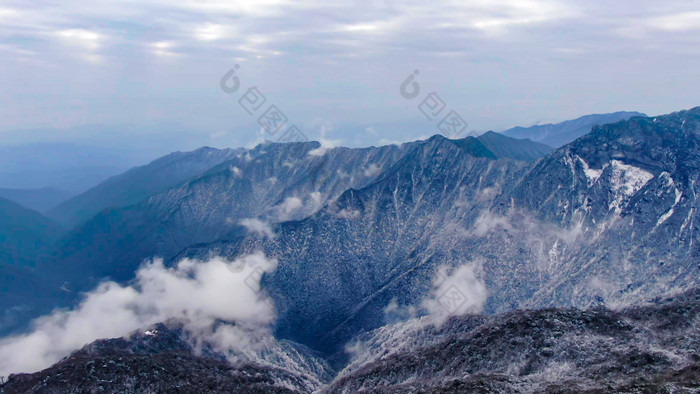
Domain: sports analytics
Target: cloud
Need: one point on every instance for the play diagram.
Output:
(393, 313)
(456, 292)
(288, 207)
(346, 213)
(316, 200)
(326, 144)
(257, 226)
(487, 222)
(348, 61)
(195, 293)
(210, 32)
(82, 37)
(236, 171)
(163, 48)
(372, 170)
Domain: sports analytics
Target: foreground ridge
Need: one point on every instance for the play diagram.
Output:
(647, 348)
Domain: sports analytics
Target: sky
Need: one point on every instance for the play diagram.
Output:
(110, 72)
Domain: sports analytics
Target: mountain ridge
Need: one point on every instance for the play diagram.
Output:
(559, 134)
(138, 183)
(651, 347)
(527, 229)
(375, 225)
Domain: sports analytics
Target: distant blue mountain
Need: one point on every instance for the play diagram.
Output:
(70, 167)
(40, 200)
(25, 235)
(139, 183)
(559, 134)
(505, 147)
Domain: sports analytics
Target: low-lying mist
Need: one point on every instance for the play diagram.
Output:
(199, 295)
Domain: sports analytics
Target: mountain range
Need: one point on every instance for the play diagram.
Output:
(367, 243)
(40, 200)
(138, 183)
(25, 235)
(70, 167)
(559, 134)
(270, 183)
(588, 224)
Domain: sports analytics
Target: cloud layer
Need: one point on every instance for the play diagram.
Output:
(497, 63)
(197, 294)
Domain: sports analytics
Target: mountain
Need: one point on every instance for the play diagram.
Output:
(25, 235)
(562, 133)
(647, 348)
(609, 219)
(651, 348)
(268, 184)
(273, 182)
(40, 200)
(627, 193)
(26, 294)
(164, 359)
(63, 166)
(369, 246)
(254, 189)
(510, 148)
(139, 183)
(558, 257)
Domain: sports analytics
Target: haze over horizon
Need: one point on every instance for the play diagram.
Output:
(153, 68)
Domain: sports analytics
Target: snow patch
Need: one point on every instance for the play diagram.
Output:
(626, 180)
(664, 217)
(592, 175)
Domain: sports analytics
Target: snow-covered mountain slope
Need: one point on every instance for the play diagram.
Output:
(164, 358)
(340, 267)
(588, 224)
(624, 201)
(269, 184)
(363, 238)
(650, 348)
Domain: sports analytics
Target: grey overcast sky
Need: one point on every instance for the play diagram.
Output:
(334, 69)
